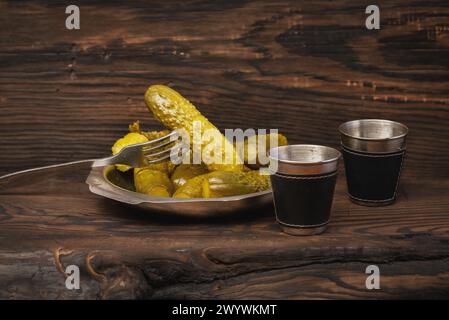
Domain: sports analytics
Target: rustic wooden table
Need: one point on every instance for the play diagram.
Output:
(126, 253)
(301, 66)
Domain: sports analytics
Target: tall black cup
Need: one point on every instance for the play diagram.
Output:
(373, 152)
(303, 187)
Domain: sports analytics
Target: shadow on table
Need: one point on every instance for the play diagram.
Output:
(130, 213)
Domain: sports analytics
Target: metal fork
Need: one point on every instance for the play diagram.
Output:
(135, 155)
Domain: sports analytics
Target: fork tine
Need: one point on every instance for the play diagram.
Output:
(149, 143)
(162, 155)
(141, 154)
(158, 159)
(163, 144)
(155, 154)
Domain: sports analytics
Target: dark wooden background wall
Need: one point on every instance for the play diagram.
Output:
(300, 66)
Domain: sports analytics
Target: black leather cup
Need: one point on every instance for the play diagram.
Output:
(303, 201)
(372, 178)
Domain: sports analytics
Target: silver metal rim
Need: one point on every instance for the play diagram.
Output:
(304, 159)
(340, 129)
(306, 163)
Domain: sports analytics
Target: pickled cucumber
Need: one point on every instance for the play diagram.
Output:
(152, 182)
(150, 135)
(136, 134)
(176, 112)
(206, 180)
(223, 184)
(185, 172)
(193, 188)
(250, 155)
(130, 138)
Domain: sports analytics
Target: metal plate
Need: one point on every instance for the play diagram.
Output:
(113, 184)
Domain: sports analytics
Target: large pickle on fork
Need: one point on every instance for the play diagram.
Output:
(176, 112)
(152, 182)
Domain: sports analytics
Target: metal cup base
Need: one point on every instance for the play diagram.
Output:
(303, 231)
(372, 203)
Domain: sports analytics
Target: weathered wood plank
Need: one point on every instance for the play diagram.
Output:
(300, 66)
(238, 257)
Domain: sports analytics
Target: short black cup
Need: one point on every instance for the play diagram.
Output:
(373, 152)
(303, 180)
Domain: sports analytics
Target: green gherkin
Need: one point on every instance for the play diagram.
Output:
(176, 112)
(224, 184)
(167, 166)
(152, 182)
(250, 155)
(193, 188)
(185, 172)
(218, 184)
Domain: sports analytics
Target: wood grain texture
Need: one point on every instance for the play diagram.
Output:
(127, 253)
(301, 66)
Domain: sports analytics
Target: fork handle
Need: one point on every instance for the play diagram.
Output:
(79, 164)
